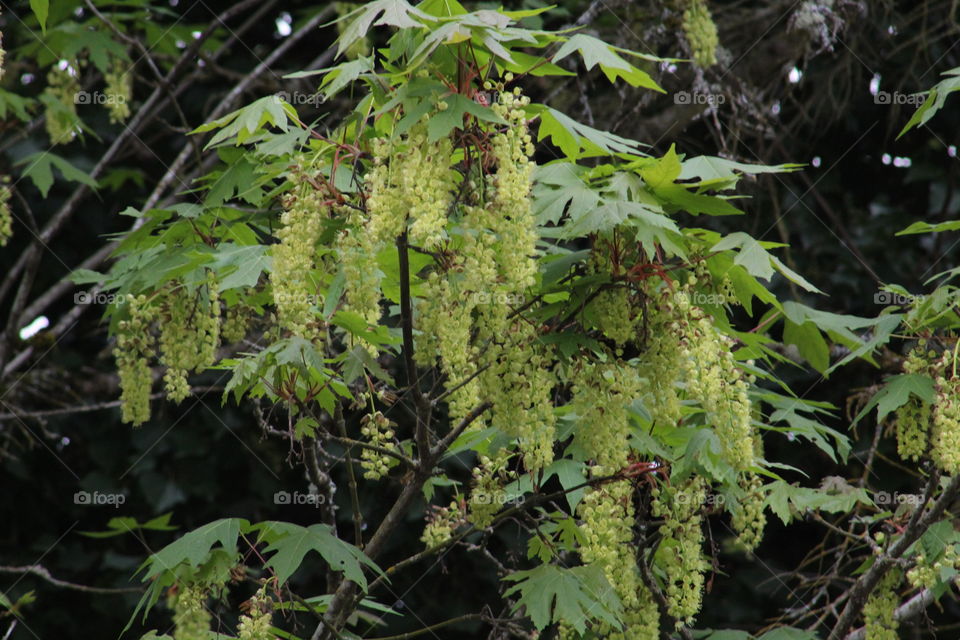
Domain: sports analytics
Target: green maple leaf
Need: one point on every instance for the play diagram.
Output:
(289, 543)
(575, 596)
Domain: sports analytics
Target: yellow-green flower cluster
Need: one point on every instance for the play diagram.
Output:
(236, 322)
(713, 378)
(925, 574)
(134, 348)
(412, 179)
(256, 623)
(295, 259)
(701, 32)
(6, 215)
(119, 91)
(519, 381)
(465, 315)
(191, 619)
(513, 220)
(946, 422)
(207, 323)
(441, 523)
(913, 420)
(680, 553)
(663, 367)
(613, 313)
(378, 430)
(608, 516)
(878, 613)
(601, 393)
(487, 496)
(445, 325)
(748, 516)
(61, 113)
(361, 274)
(189, 335)
(686, 347)
(611, 309)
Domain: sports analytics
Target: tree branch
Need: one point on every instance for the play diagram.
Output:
(920, 521)
(41, 572)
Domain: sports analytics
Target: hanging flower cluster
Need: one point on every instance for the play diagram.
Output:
(6, 214)
(60, 117)
(681, 548)
(488, 496)
(931, 428)
(135, 346)
(748, 517)
(469, 315)
(600, 395)
(189, 334)
(701, 32)
(191, 619)
(119, 91)
(256, 623)
(441, 524)
(946, 416)
(878, 618)
(687, 347)
(295, 258)
(378, 429)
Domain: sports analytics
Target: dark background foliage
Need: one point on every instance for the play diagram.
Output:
(788, 96)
